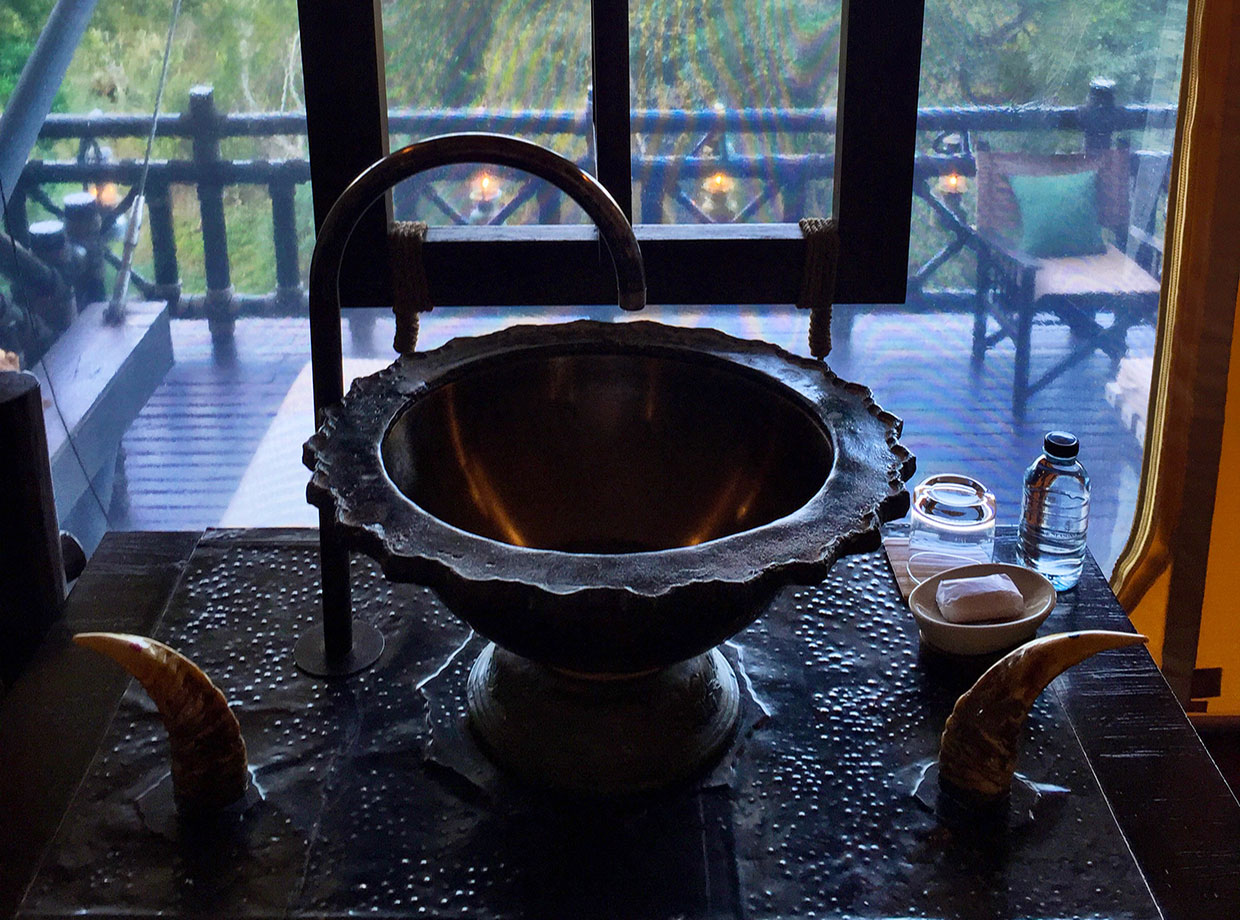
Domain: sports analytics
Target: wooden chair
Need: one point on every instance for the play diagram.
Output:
(1080, 291)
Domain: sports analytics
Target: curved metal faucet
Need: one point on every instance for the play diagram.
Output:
(497, 149)
(343, 645)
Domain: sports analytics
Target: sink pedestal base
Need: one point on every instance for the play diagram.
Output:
(604, 735)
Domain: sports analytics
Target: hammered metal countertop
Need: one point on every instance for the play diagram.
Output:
(815, 816)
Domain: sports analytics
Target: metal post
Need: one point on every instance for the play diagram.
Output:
(163, 239)
(31, 567)
(337, 593)
(204, 126)
(336, 647)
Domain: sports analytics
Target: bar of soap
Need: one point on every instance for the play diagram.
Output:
(979, 599)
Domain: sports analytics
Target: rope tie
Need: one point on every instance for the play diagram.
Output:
(822, 255)
(410, 292)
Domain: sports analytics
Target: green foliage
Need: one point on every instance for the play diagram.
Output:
(773, 53)
(20, 23)
(529, 53)
(1013, 52)
(499, 55)
(539, 56)
(13, 56)
(246, 49)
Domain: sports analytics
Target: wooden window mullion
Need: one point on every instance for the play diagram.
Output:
(346, 126)
(613, 144)
(875, 140)
(735, 263)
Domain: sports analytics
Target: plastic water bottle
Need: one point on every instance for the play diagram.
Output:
(1055, 512)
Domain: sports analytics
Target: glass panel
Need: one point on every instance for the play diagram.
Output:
(228, 401)
(518, 67)
(734, 109)
(483, 194)
(1060, 335)
(154, 420)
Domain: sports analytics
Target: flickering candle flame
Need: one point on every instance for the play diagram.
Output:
(484, 188)
(952, 184)
(106, 194)
(719, 184)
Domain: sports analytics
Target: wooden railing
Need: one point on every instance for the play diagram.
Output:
(708, 142)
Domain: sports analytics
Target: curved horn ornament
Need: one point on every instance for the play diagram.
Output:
(209, 769)
(978, 749)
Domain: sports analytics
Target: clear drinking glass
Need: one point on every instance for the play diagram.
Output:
(953, 524)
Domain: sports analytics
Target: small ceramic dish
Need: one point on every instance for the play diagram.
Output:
(982, 638)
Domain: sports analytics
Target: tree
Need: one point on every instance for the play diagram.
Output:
(20, 24)
(1013, 52)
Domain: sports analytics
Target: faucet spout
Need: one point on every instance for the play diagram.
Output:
(500, 150)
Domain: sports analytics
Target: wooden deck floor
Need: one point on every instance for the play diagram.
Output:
(191, 447)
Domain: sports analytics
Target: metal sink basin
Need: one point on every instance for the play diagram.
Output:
(608, 498)
(606, 453)
(605, 502)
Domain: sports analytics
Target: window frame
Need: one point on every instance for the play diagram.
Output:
(876, 121)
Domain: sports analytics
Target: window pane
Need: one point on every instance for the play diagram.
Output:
(154, 421)
(518, 67)
(1076, 105)
(1011, 74)
(482, 194)
(735, 104)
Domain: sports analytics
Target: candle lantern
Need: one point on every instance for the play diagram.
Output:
(953, 184)
(484, 192)
(951, 187)
(105, 193)
(717, 204)
(109, 197)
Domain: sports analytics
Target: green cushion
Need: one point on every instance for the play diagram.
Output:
(1058, 214)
